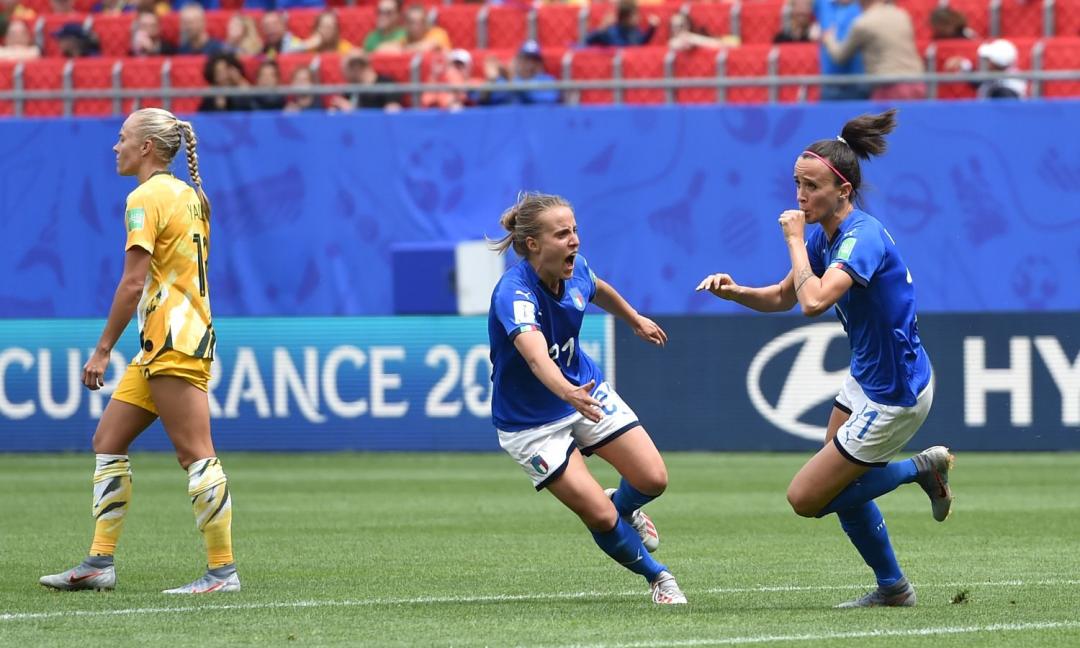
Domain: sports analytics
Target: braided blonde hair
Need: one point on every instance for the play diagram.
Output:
(522, 220)
(165, 132)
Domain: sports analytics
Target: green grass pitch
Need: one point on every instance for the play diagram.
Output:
(456, 550)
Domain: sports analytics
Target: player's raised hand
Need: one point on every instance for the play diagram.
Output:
(582, 400)
(793, 223)
(650, 331)
(719, 284)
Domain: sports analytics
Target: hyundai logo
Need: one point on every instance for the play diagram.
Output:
(807, 384)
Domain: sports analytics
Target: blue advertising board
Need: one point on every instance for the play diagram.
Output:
(754, 382)
(379, 383)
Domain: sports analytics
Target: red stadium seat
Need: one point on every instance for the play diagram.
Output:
(232, 4)
(558, 25)
(643, 63)
(44, 74)
(302, 21)
(696, 63)
(187, 72)
(330, 72)
(114, 33)
(920, 11)
(553, 60)
(93, 73)
(977, 13)
(759, 21)
(355, 23)
(747, 61)
(1021, 18)
(396, 66)
(170, 28)
(1061, 54)
(7, 82)
(506, 26)
(1067, 18)
(459, 21)
(711, 18)
(594, 63)
(142, 73)
(955, 47)
(505, 56)
(799, 59)
(49, 24)
(288, 63)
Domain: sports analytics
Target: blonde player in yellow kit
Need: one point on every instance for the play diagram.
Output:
(168, 228)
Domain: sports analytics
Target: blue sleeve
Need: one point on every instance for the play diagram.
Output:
(813, 252)
(515, 307)
(860, 254)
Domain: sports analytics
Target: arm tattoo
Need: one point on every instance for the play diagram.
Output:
(801, 277)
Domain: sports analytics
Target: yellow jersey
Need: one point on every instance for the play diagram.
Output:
(165, 217)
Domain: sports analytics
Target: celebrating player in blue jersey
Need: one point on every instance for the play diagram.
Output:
(852, 263)
(550, 403)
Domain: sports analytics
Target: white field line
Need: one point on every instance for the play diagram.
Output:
(494, 598)
(827, 636)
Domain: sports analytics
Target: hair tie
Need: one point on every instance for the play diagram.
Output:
(841, 139)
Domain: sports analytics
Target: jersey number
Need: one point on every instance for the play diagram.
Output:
(869, 415)
(199, 241)
(567, 348)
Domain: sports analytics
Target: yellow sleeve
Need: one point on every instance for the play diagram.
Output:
(141, 219)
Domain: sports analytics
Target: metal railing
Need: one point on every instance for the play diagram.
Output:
(570, 89)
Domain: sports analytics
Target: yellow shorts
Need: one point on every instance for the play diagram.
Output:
(134, 386)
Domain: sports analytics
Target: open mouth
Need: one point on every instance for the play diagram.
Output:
(569, 261)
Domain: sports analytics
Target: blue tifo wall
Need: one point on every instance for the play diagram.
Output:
(1004, 382)
(982, 198)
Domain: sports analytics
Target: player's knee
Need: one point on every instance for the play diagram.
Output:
(104, 443)
(802, 503)
(654, 482)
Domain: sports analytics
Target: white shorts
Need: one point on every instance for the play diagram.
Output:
(874, 433)
(542, 452)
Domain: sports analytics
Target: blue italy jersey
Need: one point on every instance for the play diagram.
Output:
(520, 303)
(878, 312)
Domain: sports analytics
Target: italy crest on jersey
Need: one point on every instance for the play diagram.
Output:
(579, 300)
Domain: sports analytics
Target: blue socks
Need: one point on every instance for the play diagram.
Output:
(623, 544)
(866, 528)
(871, 485)
(628, 499)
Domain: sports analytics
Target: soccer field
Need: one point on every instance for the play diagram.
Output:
(456, 550)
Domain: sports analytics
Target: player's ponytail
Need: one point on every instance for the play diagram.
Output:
(862, 137)
(193, 164)
(522, 220)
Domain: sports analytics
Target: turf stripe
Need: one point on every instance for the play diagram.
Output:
(494, 598)
(825, 636)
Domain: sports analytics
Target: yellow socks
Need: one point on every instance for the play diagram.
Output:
(112, 494)
(209, 491)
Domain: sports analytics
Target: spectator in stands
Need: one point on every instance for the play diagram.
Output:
(838, 16)
(268, 76)
(194, 39)
(277, 39)
(421, 36)
(946, 22)
(999, 56)
(112, 7)
(75, 42)
(801, 27)
(242, 36)
(885, 36)
(18, 43)
(685, 35)
(327, 35)
(223, 70)
(11, 10)
(303, 79)
(388, 32)
(528, 65)
(623, 28)
(357, 70)
(456, 68)
(146, 37)
(159, 7)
